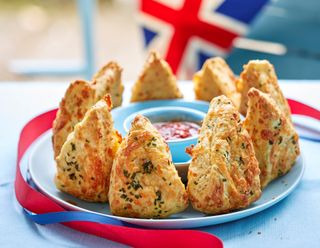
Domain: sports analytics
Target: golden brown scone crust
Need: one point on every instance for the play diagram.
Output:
(260, 74)
(144, 182)
(224, 172)
(108, 80)
(85, 161)
(156, 81)
(275, 141)
(80, 96)
(215, 79)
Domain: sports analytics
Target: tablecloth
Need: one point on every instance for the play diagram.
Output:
(294, 222)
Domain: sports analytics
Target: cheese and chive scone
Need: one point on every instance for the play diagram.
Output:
(215, 79)
(82, 95)
(156, 81)
(79, 97)
(85, 161)
(144, 182)
(274, 138)
(224, 172)
(108, 80)
(260, 74)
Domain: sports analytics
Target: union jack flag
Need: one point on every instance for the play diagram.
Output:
(187, 32)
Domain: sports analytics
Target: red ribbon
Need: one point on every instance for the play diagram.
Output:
(38, 203)
(299, 108)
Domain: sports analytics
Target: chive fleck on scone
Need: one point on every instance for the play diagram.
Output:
(215, 79)
(156, 81)
(85, 161)
(144, 182)
(224, 172)
(80, 96)
(260, 74)
(274, 138)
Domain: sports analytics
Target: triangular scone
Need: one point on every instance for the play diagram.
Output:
(79, 97)
(144, 182)
(108, 80)
(215, 79)
(224, 172)
(156, 81)
(261, 75)
(274, 138)
(84, 164)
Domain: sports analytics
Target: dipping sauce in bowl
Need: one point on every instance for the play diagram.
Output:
(173, 130)
(177, 125)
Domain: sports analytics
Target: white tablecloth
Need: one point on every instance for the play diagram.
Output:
(294, 222)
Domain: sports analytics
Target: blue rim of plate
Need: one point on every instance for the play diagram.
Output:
(206, 220)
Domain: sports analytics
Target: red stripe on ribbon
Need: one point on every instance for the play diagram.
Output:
(38, 203)
(299, 108)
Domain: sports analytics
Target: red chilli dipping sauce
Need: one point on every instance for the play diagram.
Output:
(173, 130)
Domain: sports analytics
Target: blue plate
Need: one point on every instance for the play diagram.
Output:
(42, 170)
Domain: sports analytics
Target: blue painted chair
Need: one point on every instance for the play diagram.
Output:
(85, 68)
